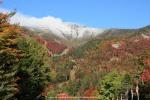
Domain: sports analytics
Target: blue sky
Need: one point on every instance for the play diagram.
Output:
(95, 13)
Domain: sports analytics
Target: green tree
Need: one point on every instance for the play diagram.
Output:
(34, 70)
(8, 69)
(127, 82)
(111, 86)
(9, 58)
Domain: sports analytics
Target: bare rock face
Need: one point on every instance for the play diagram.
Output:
(73, 73)
(145, 36)
(116, 45)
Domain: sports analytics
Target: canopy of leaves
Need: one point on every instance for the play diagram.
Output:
(111, 86)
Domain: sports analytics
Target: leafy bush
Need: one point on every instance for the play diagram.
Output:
(110, 86)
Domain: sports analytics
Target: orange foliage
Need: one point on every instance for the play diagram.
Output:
(53, 46)
(147, 63)
(63, 96)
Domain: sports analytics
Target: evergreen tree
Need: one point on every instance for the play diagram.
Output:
(9, 57)
(34, 70)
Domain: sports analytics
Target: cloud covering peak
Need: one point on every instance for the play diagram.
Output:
(55, 25)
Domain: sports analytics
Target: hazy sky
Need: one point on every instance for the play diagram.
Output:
(95, 13)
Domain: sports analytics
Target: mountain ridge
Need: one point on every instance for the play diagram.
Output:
(57, 26)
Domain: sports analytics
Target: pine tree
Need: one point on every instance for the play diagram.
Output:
(34, 70)
(9, 57)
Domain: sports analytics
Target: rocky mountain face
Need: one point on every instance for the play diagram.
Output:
(56, 26)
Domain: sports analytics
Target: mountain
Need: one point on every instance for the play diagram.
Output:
(50, 41)
(56, 26)
(110, 34)
(122, 51)
(67, 33)
(83, 66)
(59, 36)
(78, 45)
(124, 32)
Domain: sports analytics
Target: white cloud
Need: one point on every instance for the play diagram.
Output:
(26, 20)
(56, 25)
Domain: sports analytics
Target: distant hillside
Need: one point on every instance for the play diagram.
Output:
(81, 65)
(95, 59)
(50, 41)
(109, 35)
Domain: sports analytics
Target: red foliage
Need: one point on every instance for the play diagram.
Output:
(147, 63)
(126, 48)
(63, 96)
(106, 57)
(89, 92)
(54, 47)
(40, 39)
(146, 76)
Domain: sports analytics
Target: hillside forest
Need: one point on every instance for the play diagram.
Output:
(107, 67)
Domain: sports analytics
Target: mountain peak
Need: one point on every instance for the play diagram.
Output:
(56, 26)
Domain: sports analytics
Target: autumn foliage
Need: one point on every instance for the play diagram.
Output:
(63, 96)
(54, 47)
(34, 67)
(146, 76)
(24, 63)
(9, 58)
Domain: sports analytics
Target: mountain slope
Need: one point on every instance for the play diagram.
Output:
(55, 26)
(85, 67)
